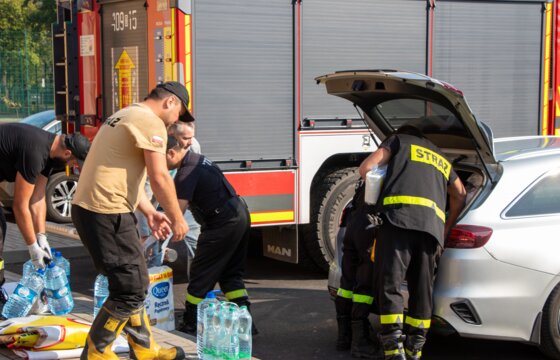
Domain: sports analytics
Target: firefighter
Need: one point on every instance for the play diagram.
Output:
(222, 246)
(28, 155)
(355, 294)
(412, 208)
(129, 143)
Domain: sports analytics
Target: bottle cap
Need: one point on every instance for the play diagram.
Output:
(41, 271)
(57, 254)
(51, 265)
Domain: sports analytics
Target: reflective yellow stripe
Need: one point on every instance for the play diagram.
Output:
(430, 157)
(418, 323)
(411, 353)
(362, 299)
(414, 200)
(343, 293)
(391, 319)
(272, 216)
(1, 264)
(193, 299)
(394, 352)
(236, 294)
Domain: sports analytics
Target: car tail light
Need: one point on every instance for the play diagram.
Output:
(468, 237)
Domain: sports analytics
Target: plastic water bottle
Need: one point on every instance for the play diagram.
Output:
(374, 182)
(40, 306)
(58, 290)
(24, 295)
(63, 263)
(212, 327)
(28, 269)
(100, 293)
(228, 337)
(245, 335)
(200, 325)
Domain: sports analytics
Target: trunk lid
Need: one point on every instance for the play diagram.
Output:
(391, 98)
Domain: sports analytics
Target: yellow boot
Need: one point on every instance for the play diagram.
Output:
(106, 327)
(141, 341)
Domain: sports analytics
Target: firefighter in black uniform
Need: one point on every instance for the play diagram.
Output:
(225, 224)
(355, 294)
(412, 207)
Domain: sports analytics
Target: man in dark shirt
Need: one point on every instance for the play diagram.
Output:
(28, 155)
(222, 245)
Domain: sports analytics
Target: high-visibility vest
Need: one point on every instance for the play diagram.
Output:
(415, 188)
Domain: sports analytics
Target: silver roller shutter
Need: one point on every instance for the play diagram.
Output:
(243, 79)
(358, 34)
(492, 52)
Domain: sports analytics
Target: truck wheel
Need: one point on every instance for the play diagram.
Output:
(550, 325)
(328, 199)
(59, 194)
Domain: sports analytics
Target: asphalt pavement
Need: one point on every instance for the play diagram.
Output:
(294, 313)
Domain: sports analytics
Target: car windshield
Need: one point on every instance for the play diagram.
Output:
(40, 119)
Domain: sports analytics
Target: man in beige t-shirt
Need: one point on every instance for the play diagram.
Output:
(129, 145)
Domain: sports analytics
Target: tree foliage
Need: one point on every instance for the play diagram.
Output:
(25, 44)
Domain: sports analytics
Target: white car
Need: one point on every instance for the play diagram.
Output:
(60, 188)
(499, 277)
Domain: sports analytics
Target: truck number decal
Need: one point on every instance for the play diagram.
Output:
(124, 21)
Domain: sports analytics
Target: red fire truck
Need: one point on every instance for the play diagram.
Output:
(286, 146)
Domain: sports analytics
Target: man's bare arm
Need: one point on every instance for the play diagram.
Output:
(457, 196)
(38, 205)
(379, 157)
(23, 191)
(164, 190)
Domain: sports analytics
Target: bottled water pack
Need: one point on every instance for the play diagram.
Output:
(226, 331)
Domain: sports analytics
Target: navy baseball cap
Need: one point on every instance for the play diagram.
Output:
(181, 92)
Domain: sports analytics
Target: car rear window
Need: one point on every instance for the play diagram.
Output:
(542, 198)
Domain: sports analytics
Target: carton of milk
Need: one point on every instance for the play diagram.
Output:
(159, 301)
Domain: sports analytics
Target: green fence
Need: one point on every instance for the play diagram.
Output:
(26, 74)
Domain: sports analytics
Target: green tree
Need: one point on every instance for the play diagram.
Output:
(25, 46)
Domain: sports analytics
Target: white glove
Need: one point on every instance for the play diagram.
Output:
(44, 244)
(39, 257)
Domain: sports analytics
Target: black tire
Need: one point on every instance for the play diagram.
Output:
(550, 325)
(329, 196)
(59, 194)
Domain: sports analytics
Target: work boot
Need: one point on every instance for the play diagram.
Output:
(247, 303)
(141, 342)
(190, 319)
(393, 345)
(344, 332)
(106, 327)
(413, 346)
(363, 346)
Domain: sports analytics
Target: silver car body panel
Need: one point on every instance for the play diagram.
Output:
(508, 280)
(507, 298)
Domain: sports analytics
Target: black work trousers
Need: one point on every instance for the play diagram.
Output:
(221, 254)
(115, 248)
(3, 229)
(409, 255)
(355, 294)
